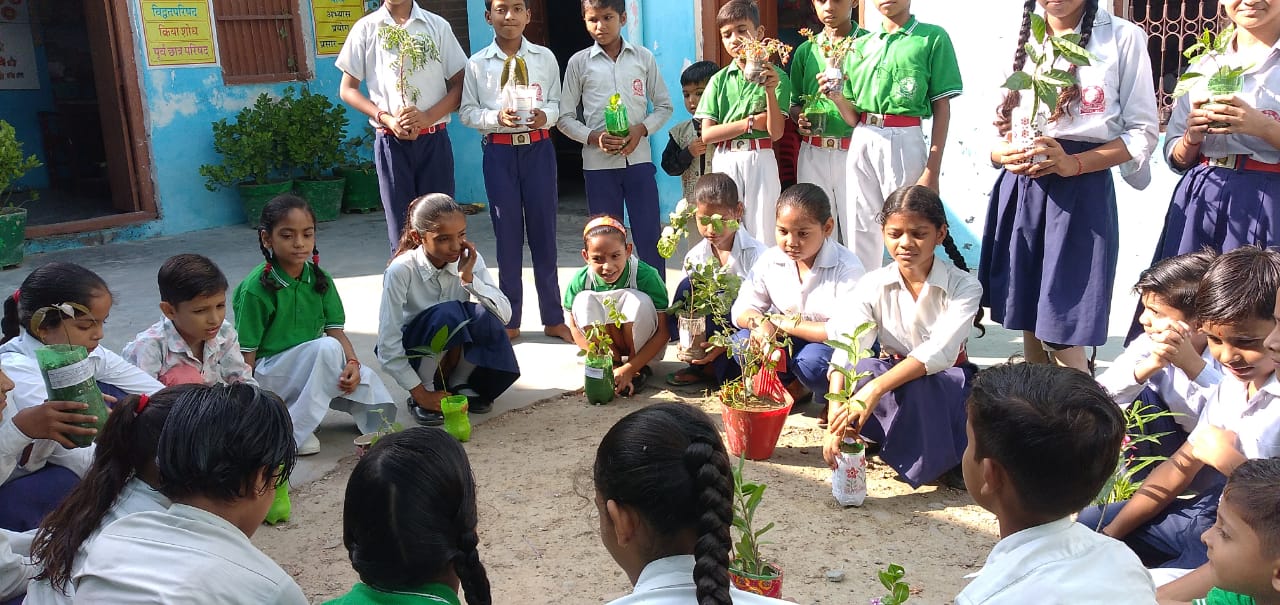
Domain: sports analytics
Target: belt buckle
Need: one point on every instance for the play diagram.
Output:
(521, 138)
(740, 145)
(1227, 161)
(830, 143)
(875, 119)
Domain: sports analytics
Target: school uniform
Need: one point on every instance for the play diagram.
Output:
(823, 157)
(136, 497)
(1050, 245)
(182, 555)
(893, 83)
(669, 581)
(774, 286)
(1228, 199)
(363, 594)
(1059, 563)
(638, 294)
(406, 169)
(295, 360)
(1218, 596)
(677, 161)
(161, 352)
(615, 181)
(920, 425)
(519, 173)
(419, 299)
(747, 158)
(16, 569)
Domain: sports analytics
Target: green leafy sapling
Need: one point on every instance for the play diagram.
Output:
(678, 226)
(752, 355)
(849, 344)
(1047, 79)
(745, 557)
(891, 579)
(412, 53)
(1122, 485)
(711, 291)
(436, 347)
(599, 343)
(1210, 51)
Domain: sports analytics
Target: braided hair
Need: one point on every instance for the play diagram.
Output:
(668, 463)
(274, 212)
(1069, 95)
(917, 199)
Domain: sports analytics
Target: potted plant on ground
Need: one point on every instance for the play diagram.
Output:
(361, 193)
(13, 218)
(756, 54)
(711, 294)
(598, 357)
(748, 569)
(849, 478)
(313, 142)
(253, 155)
(454, 407)
(754, 406)
(366, 441)
(1046, 80)
(1210, 51)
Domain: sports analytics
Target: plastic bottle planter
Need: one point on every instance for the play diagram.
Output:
(1222, 85)
(598, 379)
(456, 422)
(754, 71)
(693, 338)
(522, 102)
(816, 111)
(616, 121)
(1025, 130)
(849, 479)
(68, 376)
(834, 75)
(281, 506)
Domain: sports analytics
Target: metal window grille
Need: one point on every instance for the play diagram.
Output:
(1172, 26)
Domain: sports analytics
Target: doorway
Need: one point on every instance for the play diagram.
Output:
(557, 25)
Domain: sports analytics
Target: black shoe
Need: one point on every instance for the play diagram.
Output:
(953, 479)
(479, 405)
(640, 379)
(423, 416)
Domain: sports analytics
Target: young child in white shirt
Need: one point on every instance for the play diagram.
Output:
(221, 454)
(660, 473)
(194, 343)
(436, 281)
(1043, 440)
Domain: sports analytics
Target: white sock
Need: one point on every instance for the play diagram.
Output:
(461, 372)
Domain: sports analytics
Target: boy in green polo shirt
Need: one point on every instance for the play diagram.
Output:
(897, 77)
(744, 118)
(824, 142)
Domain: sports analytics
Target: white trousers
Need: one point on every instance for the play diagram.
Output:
(881, 161)
(825, 168)
(635, 306)
(306, 378)
(756, 174)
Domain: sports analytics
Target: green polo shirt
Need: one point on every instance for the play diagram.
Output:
(272, 321)
(806, 63)
(904, 72)
(362, 594)
(729, 96)
(1218, 596)
(647, 281)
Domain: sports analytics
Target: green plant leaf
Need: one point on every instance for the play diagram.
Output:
(1038, 28)
(1018, 80)
(1072, 52)
(901, 592)
(438, 341)
(1046, 93)
(887, 580)
(897, 571)
(1059, 77)
(1194, 50)
(1072, 37)
(1186, 83)
(762, 530)
(1034, 53)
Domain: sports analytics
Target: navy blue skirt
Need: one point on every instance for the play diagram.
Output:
(920, 426)
(1049, 254)
(484, 343)
(1223, 208)
(25, 501)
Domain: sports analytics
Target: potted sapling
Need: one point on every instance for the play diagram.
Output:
(454, 407)
(1126, 479)
(1046, 80)
(849, 479)
(412, 51)
(313, 142)
(756, 55)
(616, 121)
(748, 569)
(833, 50)
(677, 228)
(754, 405)
(711, 294)
(386, 427)
(1210, 52)
(513, 86)
(815, 110)
(253, 155)
(598, 356)
(67, 369)
(13, 217)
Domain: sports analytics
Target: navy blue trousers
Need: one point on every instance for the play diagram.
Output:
(1171, 538)
(483, 340)
(521, 183)
(408, 170)
(609, 190)
(25, 501)
(723, 367)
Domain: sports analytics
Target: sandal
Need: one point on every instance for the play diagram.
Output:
(687, 377)
(638, 381)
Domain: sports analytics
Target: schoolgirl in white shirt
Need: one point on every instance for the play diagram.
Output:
(808, 278)
(438, 280)
(1051, 241)
(913, 401)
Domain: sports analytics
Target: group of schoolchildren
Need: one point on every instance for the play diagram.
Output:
(208, 417)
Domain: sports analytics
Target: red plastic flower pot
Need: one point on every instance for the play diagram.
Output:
(754, 432)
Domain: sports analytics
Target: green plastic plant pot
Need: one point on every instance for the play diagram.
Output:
(456, 422)
(324, 196)
(598, 380)
(255, 197)
(68, 376)
(13, 227)
(361, 193)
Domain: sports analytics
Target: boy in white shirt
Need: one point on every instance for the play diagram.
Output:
(519, 156)
(1043, 440)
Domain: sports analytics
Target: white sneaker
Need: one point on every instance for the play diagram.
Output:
(309, 447)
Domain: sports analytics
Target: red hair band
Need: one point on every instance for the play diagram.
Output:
(143, 399)
(17, 293)
(603, 221)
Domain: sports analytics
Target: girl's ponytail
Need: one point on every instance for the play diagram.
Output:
(470, 571)
(713, 484)
(322, 280)
(1071, 94)
(957, 259)
(1012, 98)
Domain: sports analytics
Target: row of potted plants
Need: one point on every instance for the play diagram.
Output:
(14, 164)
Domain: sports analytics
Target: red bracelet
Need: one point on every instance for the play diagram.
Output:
(378, 118)
(1079, 164)
(353, 360)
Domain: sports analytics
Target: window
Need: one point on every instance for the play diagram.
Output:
(1172, 26)
(260, 41)
(455, 12)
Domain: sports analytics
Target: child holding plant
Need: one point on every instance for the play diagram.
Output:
(1052, 237)
(664, 491)
(742, 114)
(637, 293)
(1239, 418)
(912, 400)
(289, 317)
(621, 79)
(797, 286)
(438, 281)
(718, 214)
(1042, 442)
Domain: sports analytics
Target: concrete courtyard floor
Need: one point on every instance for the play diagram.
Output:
(354, 250)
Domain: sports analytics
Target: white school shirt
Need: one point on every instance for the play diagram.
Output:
(930, 328)
(1117, 96)
(16, 569)
(1179, 392)
(1060, 563)
(182, 555)
(363, 57)
(1261, 90)
(136, 497)
(743, 255)
(1255, 421)
(410, 285)
(18, 359)
(482, 99)
(669, 581)
(774, 285)
(590, 78)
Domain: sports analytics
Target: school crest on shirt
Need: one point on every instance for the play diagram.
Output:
(637, 87)
(906, 87)
(1093, 99)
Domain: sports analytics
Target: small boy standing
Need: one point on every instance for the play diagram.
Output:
(1043, 440)
(1244, 543)
(618, 170)
(686, 155)
(743, 118)
(519, 156)
(194, 343)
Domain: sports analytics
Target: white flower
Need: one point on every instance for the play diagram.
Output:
(674, 217)
(681, 207)
(668, 231)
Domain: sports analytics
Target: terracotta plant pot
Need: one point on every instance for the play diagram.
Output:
(754, 431)
(769, 585)
(364, 442)
(693, 338)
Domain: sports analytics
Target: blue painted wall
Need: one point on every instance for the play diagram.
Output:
(20, 108)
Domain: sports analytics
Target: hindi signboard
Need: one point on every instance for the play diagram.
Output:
(333, 19)
(17, 49)
(178, 32)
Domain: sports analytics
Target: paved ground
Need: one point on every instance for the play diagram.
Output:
(354, 248)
